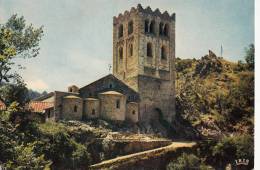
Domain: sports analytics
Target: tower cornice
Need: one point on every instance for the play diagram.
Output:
(148, 11)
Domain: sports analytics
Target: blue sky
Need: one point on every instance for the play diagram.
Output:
(77, 45)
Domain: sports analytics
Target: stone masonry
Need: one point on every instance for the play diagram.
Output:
(143, 58)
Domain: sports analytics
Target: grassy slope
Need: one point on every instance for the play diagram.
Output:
(201, 85)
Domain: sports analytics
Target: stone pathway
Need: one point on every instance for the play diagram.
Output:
(141, 155)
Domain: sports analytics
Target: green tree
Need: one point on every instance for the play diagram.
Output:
(250, 56)
(26, 158)
(10, 93)
(17, 40)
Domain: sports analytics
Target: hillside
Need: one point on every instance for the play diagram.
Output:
(215, 96)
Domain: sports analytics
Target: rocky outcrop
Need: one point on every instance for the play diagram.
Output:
(208, 64)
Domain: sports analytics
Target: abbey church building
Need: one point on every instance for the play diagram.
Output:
(143, 81)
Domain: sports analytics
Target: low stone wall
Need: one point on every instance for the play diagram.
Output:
(110, 148)
(129, 147)
(147, 160)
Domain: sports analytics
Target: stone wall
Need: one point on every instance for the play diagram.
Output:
(92, 108)
(72, 108)
(127, 66)
(155, 94)
(58, 104)
(132, 111)
(108, 106)
(153, 77)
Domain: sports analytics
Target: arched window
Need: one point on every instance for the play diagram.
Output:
(131, 50)
(161, 28)
(146, 26)
(163, 53)
(166, 30)
(120, 31)
(75, 108)
(133, 112)
(118, 104)
(130, 27)
(149, 49)
(120, 52)
(93, 112)
(152, 24)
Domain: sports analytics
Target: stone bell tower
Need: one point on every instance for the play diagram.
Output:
(144, 57)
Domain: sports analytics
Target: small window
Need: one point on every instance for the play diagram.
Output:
(161, 28)
(118, 104)
(90, 94)
(149, 49)
(130, 27)
(75, 108)
(152, 27)
(146, 26)
(163, 53)
(110, 86)
(166, 30)
(120, 31)
(133, 112)
(131, 50)
(93, 112)
(120, 51)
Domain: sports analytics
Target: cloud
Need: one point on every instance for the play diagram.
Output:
(37, 84)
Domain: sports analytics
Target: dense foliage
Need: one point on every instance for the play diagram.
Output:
(217, 98)
(30, 145)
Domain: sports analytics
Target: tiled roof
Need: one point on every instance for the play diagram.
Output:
(2, 105)
(39, 107)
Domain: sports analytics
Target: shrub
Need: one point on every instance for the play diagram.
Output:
(26, 158)
(227, 150)
(185, 161)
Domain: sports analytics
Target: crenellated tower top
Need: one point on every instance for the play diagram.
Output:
(146, 11)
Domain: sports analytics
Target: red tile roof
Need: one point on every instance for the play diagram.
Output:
(2, 105)
(39, 107)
